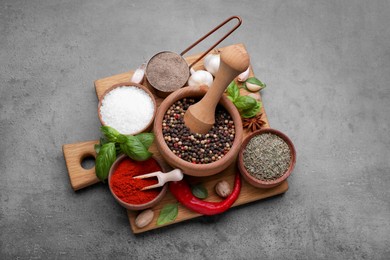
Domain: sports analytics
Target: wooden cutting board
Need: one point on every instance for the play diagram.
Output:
(81, 178)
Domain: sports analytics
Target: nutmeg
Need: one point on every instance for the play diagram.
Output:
(223, 189)
(144, 218)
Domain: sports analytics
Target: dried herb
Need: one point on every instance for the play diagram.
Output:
(267, 157)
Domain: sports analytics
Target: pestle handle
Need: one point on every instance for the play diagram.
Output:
(234, 61)
(200, 117)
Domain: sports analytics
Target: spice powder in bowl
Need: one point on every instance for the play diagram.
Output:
(166, 72)
(266, 158)
(129, 109)
(127, 190)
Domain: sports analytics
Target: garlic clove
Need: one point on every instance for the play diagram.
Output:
(253, 87)
(253, 84)
(211, 63)
(243, 76)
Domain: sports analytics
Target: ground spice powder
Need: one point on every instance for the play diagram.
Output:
(267, 157)
(167, 71)
(129, 189)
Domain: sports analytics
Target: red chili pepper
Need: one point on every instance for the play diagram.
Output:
(182, 192)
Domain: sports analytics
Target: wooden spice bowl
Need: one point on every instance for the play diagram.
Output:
(261, 183)
(147, 127)
(149, 204)
(188, 168)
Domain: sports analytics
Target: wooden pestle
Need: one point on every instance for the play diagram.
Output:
(200, 117)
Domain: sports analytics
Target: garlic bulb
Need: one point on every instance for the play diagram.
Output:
(243, 76)
(200, 77)
(211, 62)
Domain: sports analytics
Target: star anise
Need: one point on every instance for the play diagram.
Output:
(254, 123)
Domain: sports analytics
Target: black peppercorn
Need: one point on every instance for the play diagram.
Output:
(204, 148)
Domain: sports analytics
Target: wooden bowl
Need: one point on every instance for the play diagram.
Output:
(260, 183)
(129, 206)
(148, 127)
(187, 167)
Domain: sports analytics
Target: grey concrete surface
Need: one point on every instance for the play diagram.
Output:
(327, 67)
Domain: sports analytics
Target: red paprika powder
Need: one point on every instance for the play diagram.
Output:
(128, 189)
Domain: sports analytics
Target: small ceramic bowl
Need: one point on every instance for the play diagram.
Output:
(129, 206)
(147, 127)
(260, 183)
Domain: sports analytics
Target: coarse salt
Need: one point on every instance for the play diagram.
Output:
(128, 109)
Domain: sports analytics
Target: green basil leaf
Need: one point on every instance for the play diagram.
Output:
(122, 138)
(146, 139)
(135, 149)
(199, 191)
(230, 98)
(110, 133)
(103, 140)
(168, 214)
(97, 148)
(105, 158)
(233, 91)
(244, 103)
(249, 113)
(256, 81)
(259, 105)
(118, 149)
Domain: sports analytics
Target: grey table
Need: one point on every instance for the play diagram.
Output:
(327, 67)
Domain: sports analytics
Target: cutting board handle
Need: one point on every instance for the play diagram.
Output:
(74, 155)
